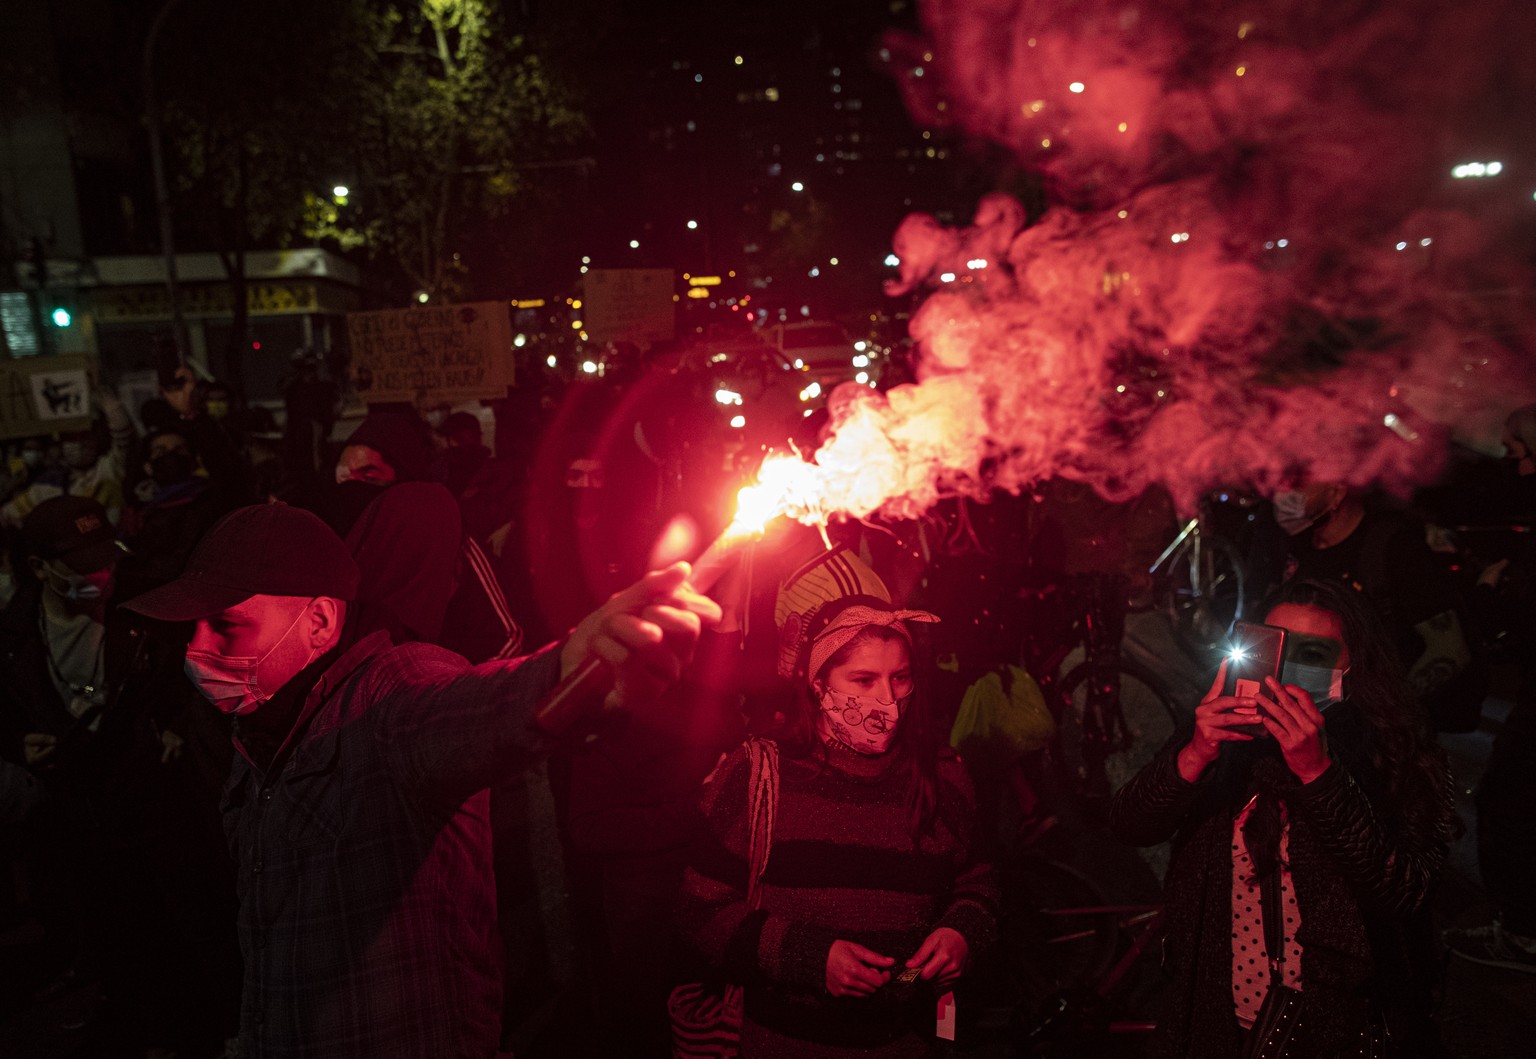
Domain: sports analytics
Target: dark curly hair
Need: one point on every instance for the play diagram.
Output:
(1400, 746)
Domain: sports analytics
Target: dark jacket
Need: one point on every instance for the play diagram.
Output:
(88, 759)
(1359, 875)
(367, 912)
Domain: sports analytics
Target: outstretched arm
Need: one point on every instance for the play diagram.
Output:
(456, 728)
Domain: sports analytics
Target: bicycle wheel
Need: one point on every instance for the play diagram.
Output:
(1207, 592)
(1134, 732)
(1052, 940)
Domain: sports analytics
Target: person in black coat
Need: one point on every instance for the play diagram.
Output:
(1348, 812)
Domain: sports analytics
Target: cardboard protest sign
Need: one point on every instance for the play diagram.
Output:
(44, 395)
(448, 352)
(629, 305)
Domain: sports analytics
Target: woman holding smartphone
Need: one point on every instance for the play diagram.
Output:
(1335, 822)
(874, 898)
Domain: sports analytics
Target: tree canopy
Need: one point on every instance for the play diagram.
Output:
(428, 112)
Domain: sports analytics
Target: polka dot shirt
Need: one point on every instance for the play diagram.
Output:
(1250, 957)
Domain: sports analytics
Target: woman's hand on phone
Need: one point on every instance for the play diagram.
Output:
(1217, 719)
(1297, 725)
(853, 970)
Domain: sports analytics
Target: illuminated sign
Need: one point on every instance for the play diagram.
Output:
(703, 281)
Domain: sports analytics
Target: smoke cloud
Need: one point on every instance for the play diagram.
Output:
(1256, 268)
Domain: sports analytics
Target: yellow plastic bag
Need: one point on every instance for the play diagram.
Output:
(1002, 717)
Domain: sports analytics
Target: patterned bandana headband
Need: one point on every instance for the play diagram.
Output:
(853, 620)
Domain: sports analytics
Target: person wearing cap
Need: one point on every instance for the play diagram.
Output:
(91, 705)
(57, 671)
(356, 807)
(875, 897)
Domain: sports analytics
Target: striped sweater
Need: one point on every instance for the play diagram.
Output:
(842, 866)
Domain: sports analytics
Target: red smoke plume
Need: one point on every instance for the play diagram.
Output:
(1256, 268)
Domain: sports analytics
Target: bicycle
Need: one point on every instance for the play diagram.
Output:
(1201, 581)
(1073, 972)
(1112, 714)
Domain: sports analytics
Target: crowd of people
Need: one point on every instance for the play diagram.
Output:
(268, 714)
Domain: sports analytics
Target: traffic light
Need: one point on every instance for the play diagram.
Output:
(61, 317)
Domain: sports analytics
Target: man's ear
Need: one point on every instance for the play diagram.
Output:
(326, 616)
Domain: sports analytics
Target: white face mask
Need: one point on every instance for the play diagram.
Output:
(77, 588)
(862, 723)
(1291, 513)
(234, 685)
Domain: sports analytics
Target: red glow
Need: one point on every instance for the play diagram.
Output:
(255, 345)
(1216, 295)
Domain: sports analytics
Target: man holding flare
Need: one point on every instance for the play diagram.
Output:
(357, 808)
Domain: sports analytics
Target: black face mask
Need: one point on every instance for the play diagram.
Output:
(171, 468)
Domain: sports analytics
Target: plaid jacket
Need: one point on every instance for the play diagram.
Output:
(367, 909)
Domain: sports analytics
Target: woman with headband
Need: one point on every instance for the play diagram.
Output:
(873, 900)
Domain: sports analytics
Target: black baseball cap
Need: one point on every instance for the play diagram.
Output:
(266, 549)
(74, 530)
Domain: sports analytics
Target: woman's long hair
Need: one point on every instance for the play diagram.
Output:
(1400, 748)
(914, 744)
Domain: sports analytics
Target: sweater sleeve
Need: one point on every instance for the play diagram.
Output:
(973, 899)
(1152, 806)
(747, 945)
(1391, 871)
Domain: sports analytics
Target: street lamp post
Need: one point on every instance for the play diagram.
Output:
(162, 189)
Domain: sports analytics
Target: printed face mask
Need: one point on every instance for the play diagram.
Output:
(1326, 686)
(862, 723)
(234, 685)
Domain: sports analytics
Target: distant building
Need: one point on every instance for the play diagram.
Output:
(72, 192)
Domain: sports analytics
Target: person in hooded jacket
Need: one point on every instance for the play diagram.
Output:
(423, 576)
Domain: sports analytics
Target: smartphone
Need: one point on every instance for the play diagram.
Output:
(904, 982)
(1257, 651)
